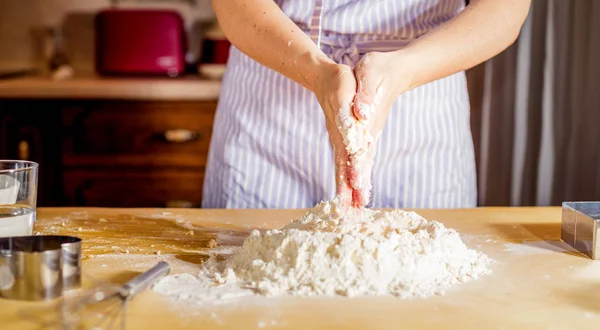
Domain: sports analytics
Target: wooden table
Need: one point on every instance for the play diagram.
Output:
(537, 282)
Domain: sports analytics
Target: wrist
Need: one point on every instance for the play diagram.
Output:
(313, 69)
(407, 66)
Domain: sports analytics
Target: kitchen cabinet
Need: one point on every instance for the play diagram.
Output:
(111, 153)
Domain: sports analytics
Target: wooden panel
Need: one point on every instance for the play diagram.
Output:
(134, 188)
(28, 132)
(121, 133)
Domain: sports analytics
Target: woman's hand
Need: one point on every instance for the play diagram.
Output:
(380, 80)
(335, 89)
(356, 106)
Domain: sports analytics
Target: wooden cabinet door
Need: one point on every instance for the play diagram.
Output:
(30, 131)
(135, 154)
(134, 188)
(124, 133)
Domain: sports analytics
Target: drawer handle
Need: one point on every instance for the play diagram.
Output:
(179, 204)
(180, 135)
(24, 150)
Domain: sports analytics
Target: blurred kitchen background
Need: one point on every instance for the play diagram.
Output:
(112, 131)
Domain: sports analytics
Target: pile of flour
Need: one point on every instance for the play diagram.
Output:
(331, 251)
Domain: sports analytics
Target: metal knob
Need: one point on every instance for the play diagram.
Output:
(180, 135)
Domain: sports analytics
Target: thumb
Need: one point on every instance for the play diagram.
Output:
(368, 84)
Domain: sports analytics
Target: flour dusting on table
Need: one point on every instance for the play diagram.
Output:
(331, 251)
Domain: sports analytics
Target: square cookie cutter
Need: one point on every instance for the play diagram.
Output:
(580, 227)
(36, 268)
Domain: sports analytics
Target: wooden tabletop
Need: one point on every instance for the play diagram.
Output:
(537, 281)
(89, 86)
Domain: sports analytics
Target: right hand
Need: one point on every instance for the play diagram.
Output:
(335, 91)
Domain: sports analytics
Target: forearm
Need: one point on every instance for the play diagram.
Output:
(484, 29)
(262, 31)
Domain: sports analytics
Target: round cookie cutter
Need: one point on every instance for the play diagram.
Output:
(39, 267)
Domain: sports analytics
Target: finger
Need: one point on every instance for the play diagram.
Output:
(343, 187)
(341, 161)
(364, 193)
(368, 88)
(341, 100)
(361, 107)
(360, 180)
(354, 136)
(344, 117)
(360, 173)
(357, 198)
(344, 92)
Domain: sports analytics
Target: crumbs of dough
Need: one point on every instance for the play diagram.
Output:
(212, 243)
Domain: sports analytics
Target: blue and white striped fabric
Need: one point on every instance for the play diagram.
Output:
(270, 148)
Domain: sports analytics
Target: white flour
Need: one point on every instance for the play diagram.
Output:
(326, 252)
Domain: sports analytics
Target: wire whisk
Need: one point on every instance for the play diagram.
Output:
(103, 307)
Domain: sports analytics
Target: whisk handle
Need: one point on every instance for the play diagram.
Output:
(144, 280)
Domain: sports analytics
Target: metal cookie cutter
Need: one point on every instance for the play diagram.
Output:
(39, 267)
(581, 227)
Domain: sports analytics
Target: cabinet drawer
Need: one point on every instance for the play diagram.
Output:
(164, 188)
(123, 133)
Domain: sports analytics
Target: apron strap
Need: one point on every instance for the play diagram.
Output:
(315, 23)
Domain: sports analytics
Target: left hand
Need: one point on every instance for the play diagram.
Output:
(381, 78)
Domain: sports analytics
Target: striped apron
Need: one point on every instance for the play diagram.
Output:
(270, 148)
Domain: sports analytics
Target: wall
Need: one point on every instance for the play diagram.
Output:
(22, 23)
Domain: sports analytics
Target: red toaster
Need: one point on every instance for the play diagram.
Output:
(140, 42)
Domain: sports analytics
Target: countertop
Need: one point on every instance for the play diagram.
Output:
(89, 86)
(537, 281)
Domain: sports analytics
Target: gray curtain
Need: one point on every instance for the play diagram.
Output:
(536, 110)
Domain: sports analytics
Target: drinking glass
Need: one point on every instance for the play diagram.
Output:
(18, 195)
